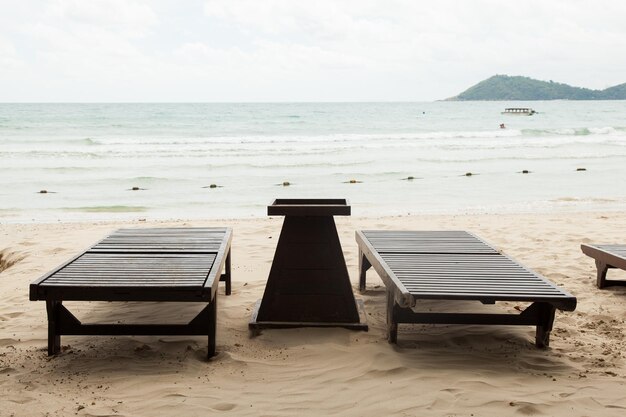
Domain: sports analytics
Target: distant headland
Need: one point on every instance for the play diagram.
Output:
(505, 87)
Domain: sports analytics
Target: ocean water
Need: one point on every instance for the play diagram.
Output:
(90, 156)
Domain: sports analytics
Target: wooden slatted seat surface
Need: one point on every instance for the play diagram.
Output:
(453, 265)
(158, 264)
(134, 270)
(427, 242)
(606, 256)
(461, 276)
(186, 240)
(156, 260)
(617, 250)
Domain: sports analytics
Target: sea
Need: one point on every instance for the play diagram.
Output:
(90, 162)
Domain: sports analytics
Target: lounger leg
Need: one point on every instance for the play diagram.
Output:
(212, 327)
(54, 334)
(228, 285)
(392, 324)
(364, 265)
(602, 269)
(544, 325)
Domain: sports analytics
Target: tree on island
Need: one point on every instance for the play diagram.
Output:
(505, 87)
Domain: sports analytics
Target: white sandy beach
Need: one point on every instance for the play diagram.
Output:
(435, 370)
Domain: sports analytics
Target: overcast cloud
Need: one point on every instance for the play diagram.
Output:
(288, 50)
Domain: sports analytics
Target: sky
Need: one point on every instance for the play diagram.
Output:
(299, 50)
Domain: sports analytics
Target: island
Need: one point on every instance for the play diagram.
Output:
(505, 87)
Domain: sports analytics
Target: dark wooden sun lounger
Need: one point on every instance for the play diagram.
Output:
(455, 265)
(606, 256)
(159, 264)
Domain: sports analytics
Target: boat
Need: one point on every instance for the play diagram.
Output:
(521, 111)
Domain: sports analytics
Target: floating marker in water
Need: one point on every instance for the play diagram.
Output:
(286, 183)
(43, 192)
(136, 189)
(581, 169)
(525, 171)
(468, 174)
(353, 181)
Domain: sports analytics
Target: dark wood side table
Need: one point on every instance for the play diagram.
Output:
(308, 285)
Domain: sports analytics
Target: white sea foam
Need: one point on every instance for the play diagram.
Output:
(92, 158)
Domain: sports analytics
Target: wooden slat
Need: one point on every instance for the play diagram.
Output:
(618, 250)
(456, 265)
(150, 259)
(178, 240)
(97, 269)
(454, 241)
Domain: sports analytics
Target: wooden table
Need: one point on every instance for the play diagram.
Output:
(308, 283)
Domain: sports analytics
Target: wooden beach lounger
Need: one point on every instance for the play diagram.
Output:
(160, 264)
(606, 256)
(455, 265)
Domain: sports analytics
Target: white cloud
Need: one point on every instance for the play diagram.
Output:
(130, 17)
(220, 50)
(10, 64)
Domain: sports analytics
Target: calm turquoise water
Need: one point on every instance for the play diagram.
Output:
(90, 156)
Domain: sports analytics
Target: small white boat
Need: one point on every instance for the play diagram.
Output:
(521, 111)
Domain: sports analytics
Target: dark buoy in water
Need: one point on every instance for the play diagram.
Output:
(410, 178)
(213, 186)
(135, 189)
(43, 192)
(581, 169)
(353, 181)
(286, 183)
(525, 171)
(468, 174)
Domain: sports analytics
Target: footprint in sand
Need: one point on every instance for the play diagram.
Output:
(224, 406)
(11, 315)
(55, 251)
(7, 342)
(528, 409)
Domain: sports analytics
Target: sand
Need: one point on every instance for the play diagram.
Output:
(438, 370)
